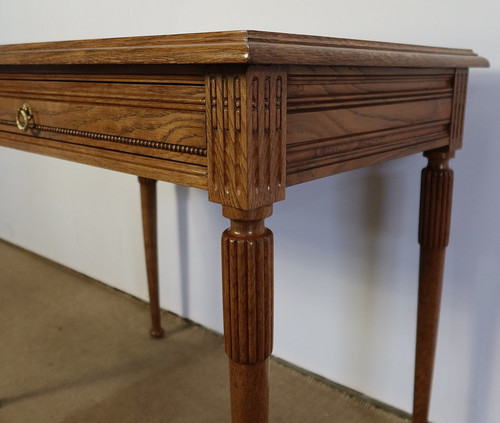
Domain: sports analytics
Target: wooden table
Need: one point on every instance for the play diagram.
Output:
(243, 115)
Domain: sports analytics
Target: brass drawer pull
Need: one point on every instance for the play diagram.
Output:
(23, 117)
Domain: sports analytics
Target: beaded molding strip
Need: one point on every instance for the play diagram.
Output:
(176, 148)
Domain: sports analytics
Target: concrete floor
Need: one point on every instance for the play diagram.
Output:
(76, 351)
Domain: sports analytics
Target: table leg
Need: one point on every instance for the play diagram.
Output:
(435, 216)
(149, 219)
(247, 273)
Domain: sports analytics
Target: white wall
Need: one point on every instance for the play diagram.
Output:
(346, 251)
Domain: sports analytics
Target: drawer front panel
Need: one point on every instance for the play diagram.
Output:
(164, 120)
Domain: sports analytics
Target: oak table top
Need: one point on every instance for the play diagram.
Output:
(243, 115)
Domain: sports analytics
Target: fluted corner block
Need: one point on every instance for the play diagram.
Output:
(246, 113)
(458, 109)
(247, 254)
(436, 200)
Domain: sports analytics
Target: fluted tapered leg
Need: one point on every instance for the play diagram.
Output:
(435, 216)
(149, 219)
(247, 267)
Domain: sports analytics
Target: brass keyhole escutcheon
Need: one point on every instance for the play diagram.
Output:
(23, 117)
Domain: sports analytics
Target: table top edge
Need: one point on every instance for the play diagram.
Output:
(237, 47)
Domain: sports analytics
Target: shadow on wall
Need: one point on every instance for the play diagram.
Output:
(357, 235)
(476, 235)
(182, 228)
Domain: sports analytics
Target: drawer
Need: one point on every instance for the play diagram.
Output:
(153, 116)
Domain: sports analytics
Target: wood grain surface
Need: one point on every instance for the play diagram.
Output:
(151, 124)
(246, 122)
(154, 119)
(342, 118)
(148, 167)
(250, 47)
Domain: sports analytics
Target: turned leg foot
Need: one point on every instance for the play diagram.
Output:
(149, 219)
(435, 216)
(247, 267)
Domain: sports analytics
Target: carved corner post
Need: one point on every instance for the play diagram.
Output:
(149, 224)
(434, 230)
(246, 111)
